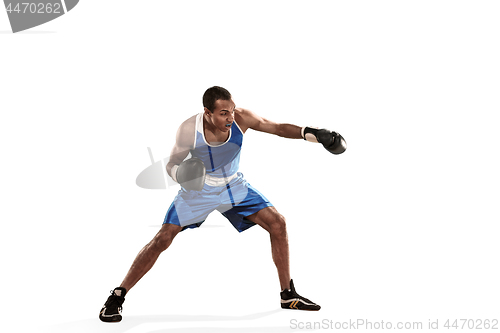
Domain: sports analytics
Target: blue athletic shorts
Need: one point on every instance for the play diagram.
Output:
(236, 200)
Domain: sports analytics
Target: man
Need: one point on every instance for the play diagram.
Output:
(210, 181)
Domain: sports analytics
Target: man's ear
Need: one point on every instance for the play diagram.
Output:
(207, 112)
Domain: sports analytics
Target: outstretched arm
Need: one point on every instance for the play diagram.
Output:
(262, 124)
(332, 141)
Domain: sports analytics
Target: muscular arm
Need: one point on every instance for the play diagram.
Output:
(332, 141)
(183, 144)
(262, 124)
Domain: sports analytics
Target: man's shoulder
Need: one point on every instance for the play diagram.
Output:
(185, 132)
(246, 118)
(191, 121)
(241, 112)
(244, 115)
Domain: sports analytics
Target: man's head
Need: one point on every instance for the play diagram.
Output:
(219, 108)
(212, 95)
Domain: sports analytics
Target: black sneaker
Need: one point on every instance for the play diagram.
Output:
(291, 300)
(111, 312)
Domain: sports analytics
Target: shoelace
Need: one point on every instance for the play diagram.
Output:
(116, 300)
(294, 294)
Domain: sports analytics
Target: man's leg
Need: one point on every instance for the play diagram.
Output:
(269, 219)
(272, 221)
(111, 311)
(149, 254)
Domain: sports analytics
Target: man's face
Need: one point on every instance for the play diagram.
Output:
(223, 115)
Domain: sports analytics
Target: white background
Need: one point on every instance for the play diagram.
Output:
(402, 227)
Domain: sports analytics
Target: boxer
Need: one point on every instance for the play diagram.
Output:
(205, 161)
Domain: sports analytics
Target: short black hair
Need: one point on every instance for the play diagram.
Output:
(213, 94)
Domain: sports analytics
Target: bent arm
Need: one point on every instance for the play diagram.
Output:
(177, 155)
(183, 144)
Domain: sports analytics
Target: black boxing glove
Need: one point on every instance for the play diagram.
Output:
(190, 174)
(332, 141)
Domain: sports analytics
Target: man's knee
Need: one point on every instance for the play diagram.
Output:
(164, 237)
(277, 225)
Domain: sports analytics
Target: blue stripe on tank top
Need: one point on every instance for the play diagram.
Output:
(211, 159)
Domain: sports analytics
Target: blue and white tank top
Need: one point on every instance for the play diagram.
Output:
(221, 161)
